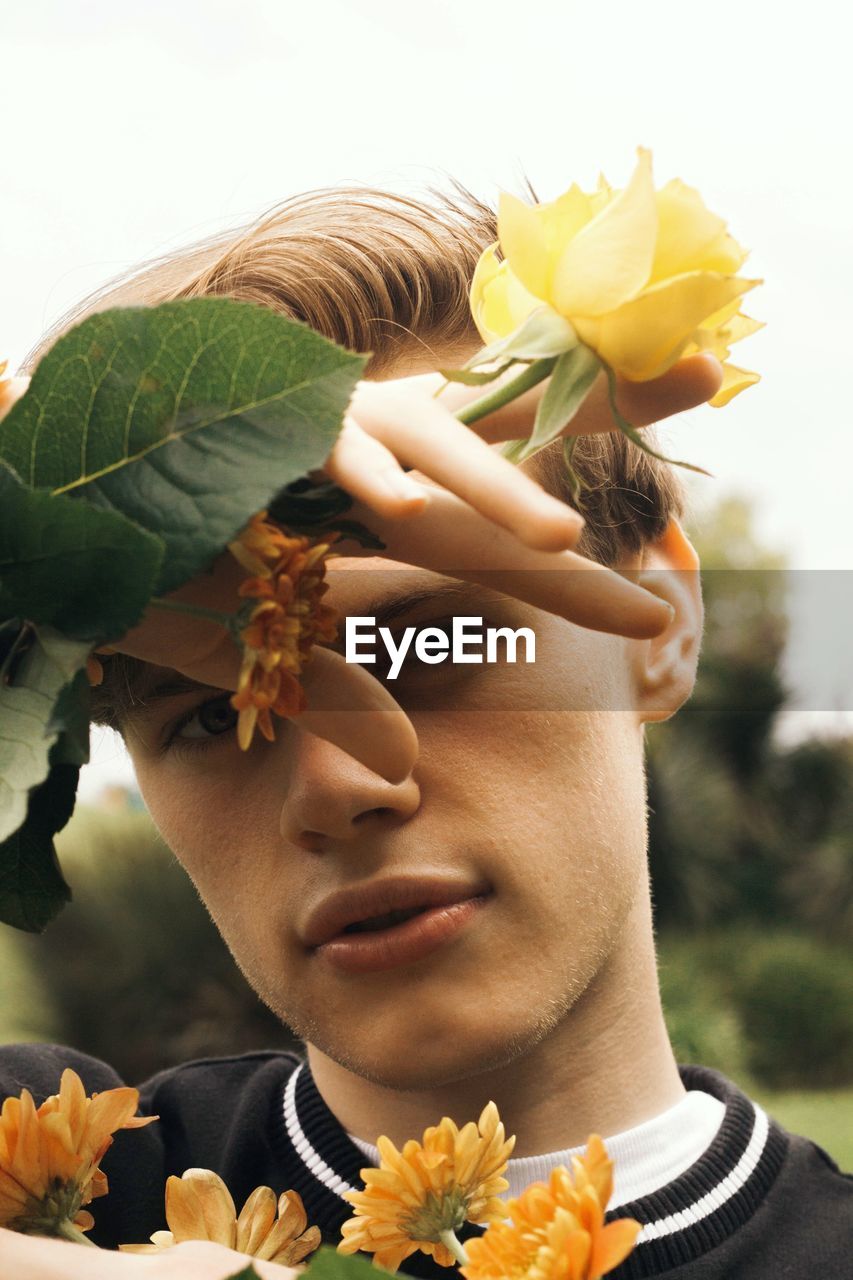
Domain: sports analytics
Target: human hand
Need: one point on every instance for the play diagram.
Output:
(465, 511)
(38, 1258)
(479, 517)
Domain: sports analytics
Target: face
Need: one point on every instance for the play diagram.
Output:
(518, 841)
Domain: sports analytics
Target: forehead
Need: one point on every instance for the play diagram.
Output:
(383, 589)
(366, 584)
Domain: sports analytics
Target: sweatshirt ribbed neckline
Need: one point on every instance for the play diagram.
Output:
(645, 1157)
(682, 1220)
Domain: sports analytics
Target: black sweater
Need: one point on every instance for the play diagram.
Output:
(759, 1203)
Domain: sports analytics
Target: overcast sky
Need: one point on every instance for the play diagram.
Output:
(134, 128)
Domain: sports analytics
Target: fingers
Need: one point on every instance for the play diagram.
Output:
(10, 391)
(423, 435)
(369, 471)
(454, 540)
(204, 1260)
(351, 709)
(687, 384)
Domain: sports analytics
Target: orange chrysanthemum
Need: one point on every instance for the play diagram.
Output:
(421, 1195)
(50, 1156)
(557, 1229)
(288, 583)
(199, 1207)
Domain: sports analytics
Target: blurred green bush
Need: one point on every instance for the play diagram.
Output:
(794, 998)
(133, 970)
(771, 1010)
(702, 1026)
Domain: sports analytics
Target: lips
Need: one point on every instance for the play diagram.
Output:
(384, 905)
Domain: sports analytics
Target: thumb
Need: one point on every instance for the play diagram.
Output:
(11, 390)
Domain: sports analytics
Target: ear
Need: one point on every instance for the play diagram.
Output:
(665, 666)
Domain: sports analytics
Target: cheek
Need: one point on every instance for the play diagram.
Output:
(211, 821)
(554, 804)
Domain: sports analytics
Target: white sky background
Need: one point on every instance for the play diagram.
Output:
(132, 129)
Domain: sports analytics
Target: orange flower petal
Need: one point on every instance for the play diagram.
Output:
(612, 1245)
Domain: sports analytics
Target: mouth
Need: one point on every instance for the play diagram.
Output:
(379, 926)
(376, 923)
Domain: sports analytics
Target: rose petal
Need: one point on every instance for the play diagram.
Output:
(646, 336)
(734, 381)
(522, 237)
(690, 237)
(609, 260)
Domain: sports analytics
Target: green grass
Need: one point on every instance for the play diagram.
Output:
(826, 1117)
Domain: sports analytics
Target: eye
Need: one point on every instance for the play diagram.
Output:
(209, 720)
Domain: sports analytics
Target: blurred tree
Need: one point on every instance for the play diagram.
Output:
(738, 827)
(812, 789)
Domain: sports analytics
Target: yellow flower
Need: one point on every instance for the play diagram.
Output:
(644, 277)
(289, 618)
(49, 1156)
(419, 1195)
(556, 1229)
(199, 1207)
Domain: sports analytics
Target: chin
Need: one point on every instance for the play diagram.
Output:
(424, 1056)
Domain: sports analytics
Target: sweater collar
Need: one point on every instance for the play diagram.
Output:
(694, 1213)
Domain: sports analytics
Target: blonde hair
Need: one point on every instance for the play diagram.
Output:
(382, 272)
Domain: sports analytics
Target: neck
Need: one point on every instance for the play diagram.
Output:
(606, 1067)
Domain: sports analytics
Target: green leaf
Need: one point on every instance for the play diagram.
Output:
(530, 375)
(12, 635)
(636, 436)
(513, 450)
(70, 719)
(248, 1273)
(29, 719)
(305, 504)
(186, 417)
(328, 1264)
(86, 572)
(574, 374)
(544, 333)
(308, 507)
(32, 888)
(472, 379)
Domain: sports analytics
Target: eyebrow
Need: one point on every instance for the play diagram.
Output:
(149, 687)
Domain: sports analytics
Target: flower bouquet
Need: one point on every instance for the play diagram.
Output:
(415, 1201)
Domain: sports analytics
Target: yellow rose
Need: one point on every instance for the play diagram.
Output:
(644, 277)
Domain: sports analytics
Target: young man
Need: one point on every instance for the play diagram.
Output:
(456, 908)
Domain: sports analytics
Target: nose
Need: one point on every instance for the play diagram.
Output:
(331, 797)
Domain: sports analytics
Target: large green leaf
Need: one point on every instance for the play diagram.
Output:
(29, 724)
(186, 417)
(328, 1264)
(32, 888)
(86, 572)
